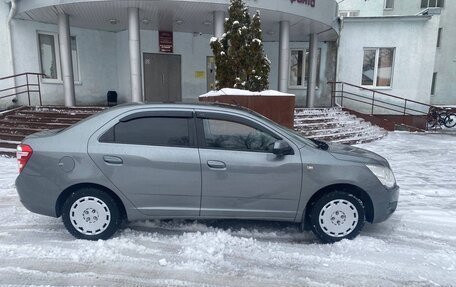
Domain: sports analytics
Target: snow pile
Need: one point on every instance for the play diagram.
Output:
(415, 247)
(238, 92)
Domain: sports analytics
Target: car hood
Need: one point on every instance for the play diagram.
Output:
(355, 154)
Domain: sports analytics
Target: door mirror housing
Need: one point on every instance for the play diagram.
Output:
(282, 148)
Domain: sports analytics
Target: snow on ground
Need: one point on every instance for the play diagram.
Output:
(416, 247)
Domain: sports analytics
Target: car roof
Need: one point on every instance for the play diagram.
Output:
(212, 105)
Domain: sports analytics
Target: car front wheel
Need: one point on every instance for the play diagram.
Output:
(336, 216)
(91, 214)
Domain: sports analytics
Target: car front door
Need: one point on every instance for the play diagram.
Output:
(241, 177)
(151, 157)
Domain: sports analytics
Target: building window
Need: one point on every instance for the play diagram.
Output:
(75, 59)
(348, 13)
(50, 67)
(432, 3)
(378, 67)
(299, 68)
(439, 37)
(50, 56)
(434, 82)
(389, 4)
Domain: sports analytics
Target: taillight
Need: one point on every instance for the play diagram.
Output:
(23, 154)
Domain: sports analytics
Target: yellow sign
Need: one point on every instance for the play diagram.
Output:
(200, 74)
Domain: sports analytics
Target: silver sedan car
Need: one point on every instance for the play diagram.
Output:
(161, 161)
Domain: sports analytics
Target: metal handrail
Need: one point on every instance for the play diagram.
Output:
(28, 85)
(339, 91)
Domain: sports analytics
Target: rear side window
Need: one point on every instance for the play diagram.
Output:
(155, 131)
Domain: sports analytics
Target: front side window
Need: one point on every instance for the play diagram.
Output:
(153, 131)
(299, 68)
(377, 67)
(228, 135)
(432, 3)
(50, 56)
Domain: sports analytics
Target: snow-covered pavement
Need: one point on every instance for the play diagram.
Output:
(416, 247)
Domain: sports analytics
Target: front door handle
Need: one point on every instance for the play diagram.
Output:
(112, 159)
(216, 164)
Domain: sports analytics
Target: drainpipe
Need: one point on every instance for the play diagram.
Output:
(11, 14)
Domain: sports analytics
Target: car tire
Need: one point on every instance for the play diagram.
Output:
(337, 215)
(91, 214)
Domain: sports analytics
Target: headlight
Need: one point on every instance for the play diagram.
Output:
(384, 174)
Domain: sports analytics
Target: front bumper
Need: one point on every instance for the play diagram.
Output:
(385, 204)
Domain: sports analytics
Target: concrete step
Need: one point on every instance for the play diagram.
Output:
(9, 144)
(16, 129)
(50, 114)
(324, 130)
(36, 119)
(335, 125)
(325, 124)
(12, 137)
(38, 125)
(18, 123)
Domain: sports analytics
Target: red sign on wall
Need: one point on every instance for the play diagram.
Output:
(310, 3)
(165, 40)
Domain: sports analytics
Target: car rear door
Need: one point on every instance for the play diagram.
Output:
(151, 157)
(241, 177)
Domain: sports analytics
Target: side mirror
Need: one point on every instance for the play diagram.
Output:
(282, 148)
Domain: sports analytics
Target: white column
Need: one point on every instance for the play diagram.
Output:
(66, 61)
(284, 55)
(135, 54)
(312, 79)
(219, 23)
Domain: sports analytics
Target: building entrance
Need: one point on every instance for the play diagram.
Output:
(162, 78)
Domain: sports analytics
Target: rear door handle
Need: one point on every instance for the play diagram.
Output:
(216, 164)
(112, 159)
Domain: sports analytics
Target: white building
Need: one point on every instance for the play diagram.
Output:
(413, 40)
(159, 50)
(87, 48)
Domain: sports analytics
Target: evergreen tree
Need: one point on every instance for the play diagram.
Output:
(239, 55)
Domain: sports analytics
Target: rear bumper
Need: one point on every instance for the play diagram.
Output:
(386, 204)
(37, 194)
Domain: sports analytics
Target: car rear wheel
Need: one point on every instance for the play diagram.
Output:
(91, 214)
(336, 216)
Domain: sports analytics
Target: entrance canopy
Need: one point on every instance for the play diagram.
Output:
(305, 16)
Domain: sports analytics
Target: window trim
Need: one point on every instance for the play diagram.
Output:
(201, 139)
(193, 143)
(435, 6)
(439, 37)
(59, 79)
(303, 68)
(434, 83)
(377, 56)
(45, 80)
(304, 63)
(350, 13)
(78, 71)
(386, 8)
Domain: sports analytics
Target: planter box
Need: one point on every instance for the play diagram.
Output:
(279, 108)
